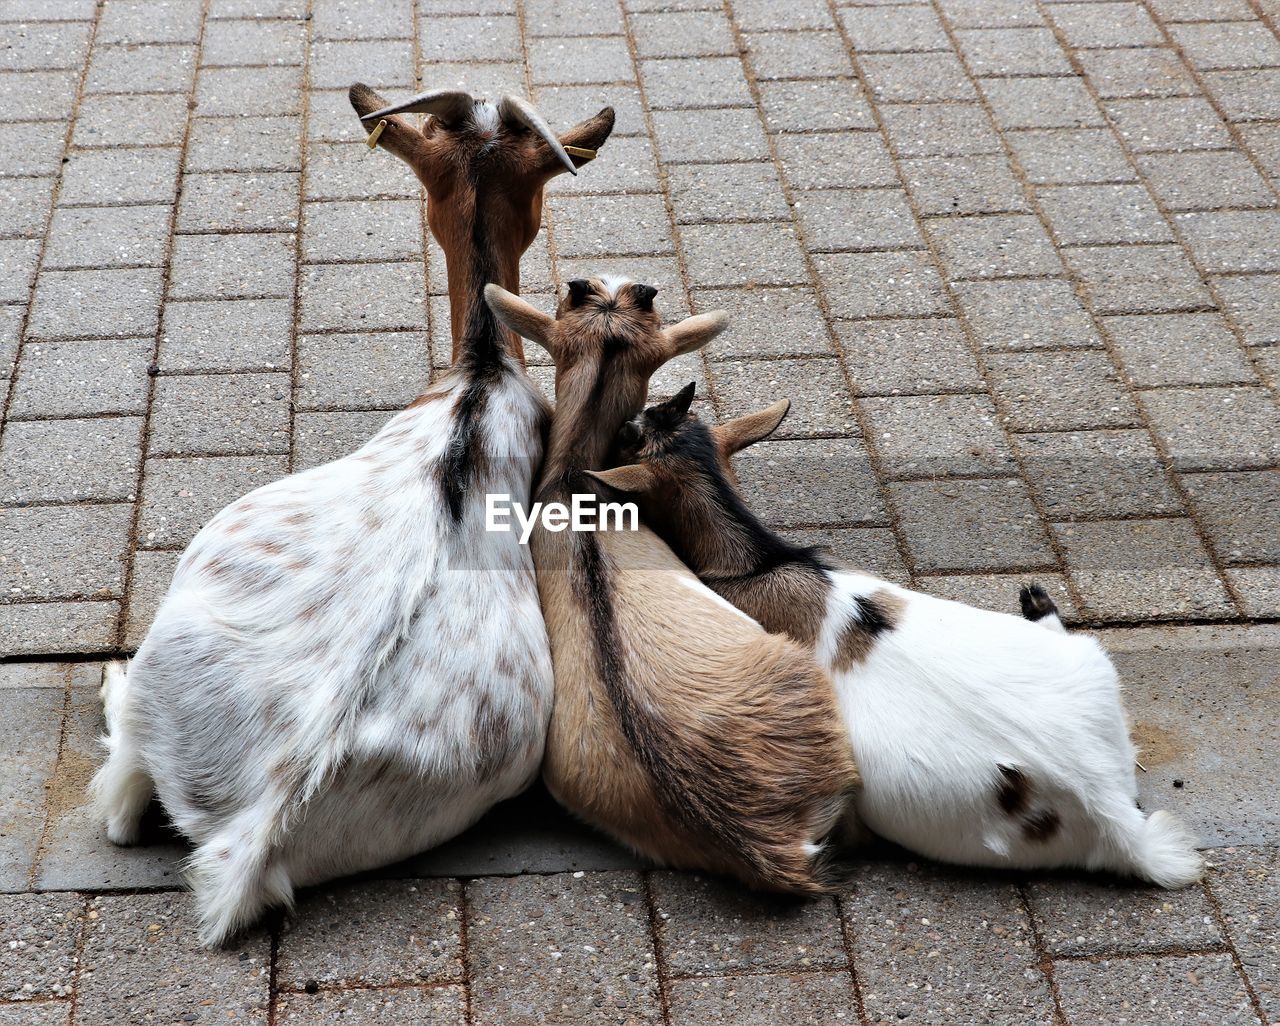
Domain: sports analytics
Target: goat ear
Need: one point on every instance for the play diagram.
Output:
(694, 332)
(735, 435)
(633, 478)
(587, 135)
(400, 137)
(525, 320)
(672, 412)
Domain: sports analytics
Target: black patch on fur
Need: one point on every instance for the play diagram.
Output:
(1036, 603)
(1014, 792)
(872, 619)
(1041, 825)
(644, 296)
(579, 289)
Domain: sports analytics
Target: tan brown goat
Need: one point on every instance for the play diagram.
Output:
(679, 725)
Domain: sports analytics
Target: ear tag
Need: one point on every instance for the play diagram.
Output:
(581, 151)
(372, 141)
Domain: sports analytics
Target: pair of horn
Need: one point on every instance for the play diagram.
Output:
(454, 105)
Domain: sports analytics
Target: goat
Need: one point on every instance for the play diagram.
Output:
(679, 726)
(347, 668)
(982, 738)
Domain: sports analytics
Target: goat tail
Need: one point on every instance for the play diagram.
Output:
(1165, 852)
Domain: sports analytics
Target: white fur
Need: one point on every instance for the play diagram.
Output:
(340, 675)
(953, 693)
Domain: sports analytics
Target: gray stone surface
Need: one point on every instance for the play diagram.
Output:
(30, 727)
(1190, 989)
(41, 940)
(1245, 882)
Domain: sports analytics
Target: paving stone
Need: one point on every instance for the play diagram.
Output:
(817, 998)
(825, 105)
(384, 64)
(362, 297)
(70, 460)
(901, 357)
(1060, 391)
(1246, 884)
(71, 304)
(704, 136)
(362, 19)
(137, 938)
(323, 437)
(1239, 512)
(77, 379)
(616, 225)
(564, 946)
(897, 284)
(1215, 428)
(811, 481)
(29, 152)
(743, 254)
(375, 371)
(1105, 24)
(1094, 474)
(788, 55)
(1258, 589)
(864, 219)
(43, 1013)
(1179, 349)
(225, 334)
(1070, 156)
(438, 1006)
(631, 167)
(682, 34)
(11, 318)
(244, 144)
(1168, 123)
(1092, 917)
(586, 59)
(708, 928)
(24, 206)
(231, 202)
(40, 45)
(232, 266)
(1247, 95)
(1085, 214)
(1245, 44)
(1026, 315)
(766, 322)
(870, 550)
(179, 496)
(232, 92)
(963, 185)
(970, 525)
(18, 260)
(149, 68)
(938, 129)
(916, 77)
(1137, 279)
(146, 21)
(932, 436)
(148, 119)
(1142, 569)
(120, 176)
(1253, 303)
(1012, 51)
(58, 552)
(383, 230)
(1193, 10)
(836, 160)
(894, 29)
(820, 402)
(1137, 71)
(220, 415)
(1233, 240)
(999, 592)
(702, 193)
(30, 729)
(77, 854)
(1205, 180)
(339, 171)
(990, 13)
(1188, 988)
(38, 628)
(702, 82)
(53, 10)
(760, 14)
(405, 932)
(932, 946)
(1041, 103)
(41, 932)
(565, 105)
(233, 41)
(256, 9)
(148, 585)
(108, 237)
(997, 246)
(575, 18)
(36, 95)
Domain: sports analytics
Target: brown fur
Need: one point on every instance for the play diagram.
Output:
(680, 727)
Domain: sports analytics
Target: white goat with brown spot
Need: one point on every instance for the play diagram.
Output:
(982, 738)
(348, 668)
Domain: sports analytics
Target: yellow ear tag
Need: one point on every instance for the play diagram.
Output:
(581, 151)
(372, 141)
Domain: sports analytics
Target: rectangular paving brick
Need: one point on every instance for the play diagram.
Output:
(108, 237)
(26, 205)
(220, 415)
(743, 254)
(121, 175)
(180, 495)
(1017, 315)
(700, 82)
(817, 106)
(596, 225)
(562, 946)
(836, 160)
(1215, 428)
(1137, 279)
(808, 1000)
(902, 357)
(76, 379)
(385, 230)
(766, 322)
(1012, 51)
(931, 948)
(439, 1006)
(353, 372)
(1091, 214)
(1137, 71)
(1233, 240)
(1245, 44)
(1179, 349)
(820, 401)
(1070, 156)
(1205, 180)
(232, 266)
(39, 628)
(1041, 103)
(1168, 123)
(1105, 24)
(362, 297)
(148, 119)
(702, 193)
(230, 202)
(894, 30)
(36, 95)
(857, 219)
(98, 303)
(1246, 95)
(323, 437)
(1253, 303)
(870, 550)
(682, 34)
(231, 92)
(938, 129)
(470, 39)
(269, 143)
(576, 60)
(981, 184)
(1238, 512)
(225, 334)
(1053, 391)
(62, 552)
(788, 55)
(990, 13)
(1093, 917)
(1159, 990)
(18, 260)
(137, 21)
(808, 481)
(937, 436)
(155, 68)
(30, 726)
(1246, 884)
(70, 460)
(897, 284)
(916, 77)
(996, 246)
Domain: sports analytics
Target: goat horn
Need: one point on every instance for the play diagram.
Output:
(449, 105)
(512, 108)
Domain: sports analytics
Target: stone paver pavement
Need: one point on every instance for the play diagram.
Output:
(1017, 264)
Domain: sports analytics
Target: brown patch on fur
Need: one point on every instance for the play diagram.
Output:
(1041, 826)
(880, 612)
(268, 548)
(1014, 791)
(792, 600)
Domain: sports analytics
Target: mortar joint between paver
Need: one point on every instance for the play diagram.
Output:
(1220, 919)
